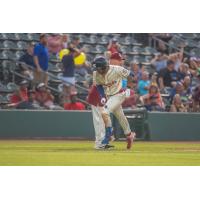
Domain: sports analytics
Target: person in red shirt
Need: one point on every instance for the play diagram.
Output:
(20, 99)
(21, 94)
(44, 97)
(74, 104)
(113, 46)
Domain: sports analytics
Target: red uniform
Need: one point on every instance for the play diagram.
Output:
(74, 106)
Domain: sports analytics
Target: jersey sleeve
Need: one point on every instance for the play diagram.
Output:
(122, 72)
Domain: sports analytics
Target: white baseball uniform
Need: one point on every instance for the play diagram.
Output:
(112, 84)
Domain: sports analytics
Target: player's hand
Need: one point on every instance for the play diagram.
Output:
(103, 100)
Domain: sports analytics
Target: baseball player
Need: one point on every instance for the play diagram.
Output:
(97, 107)
(108, 79)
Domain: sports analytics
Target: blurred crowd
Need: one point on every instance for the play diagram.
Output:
(173, 86)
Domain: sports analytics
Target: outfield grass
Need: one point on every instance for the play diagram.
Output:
(81, 153)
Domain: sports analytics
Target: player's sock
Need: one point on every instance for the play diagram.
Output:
(107, 135)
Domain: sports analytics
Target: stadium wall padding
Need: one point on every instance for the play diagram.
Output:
(174, 126)
(76, 124)
(30, 124)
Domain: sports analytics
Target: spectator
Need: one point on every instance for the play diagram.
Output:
(177, 59)
(116, 59)
(45, 98)
(153, 100)
(168, 76)
(75, 43)
(74, 104)
(130, 102)
(196, 99)
(177, 105)
(57, 42)
(136, 71)
(184, 94)
(19, 99)
(159, 62)
(27, 59)
(113, 46)
(144, 83)
(41, 61)
(184, 70)
(68, 74)
(187, 85)
(154, 78)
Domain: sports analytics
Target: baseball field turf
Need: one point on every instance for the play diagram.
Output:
(81, 153)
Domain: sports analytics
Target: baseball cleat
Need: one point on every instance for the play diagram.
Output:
(130, 140)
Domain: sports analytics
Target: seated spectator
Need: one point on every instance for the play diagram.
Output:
(154, 78)
(27, 59)
(177, 105)
(168, 76)
(113, 46)
(196, 99)
(187, 85)
(44, 97)
(184, 70)
(177, 59)
(57, 42)
(130, 102)
(74, 104)
(153, 100)
(19, 99)
(144, 83)
(134, 67)
(159, 61)
(185, 94)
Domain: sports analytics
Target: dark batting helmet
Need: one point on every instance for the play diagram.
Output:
(100, 63)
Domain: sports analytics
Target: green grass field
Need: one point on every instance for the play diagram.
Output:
(81, 153)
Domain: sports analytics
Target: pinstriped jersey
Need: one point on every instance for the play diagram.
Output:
(112, 81)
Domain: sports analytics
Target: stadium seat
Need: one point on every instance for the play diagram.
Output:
(125, 49)
(12, 36)
(100, 49)
(3, 36)
(187, 35)
(7, 55)
(104, 40)
(93, 39)
(195, 52)
(11, 86)
(23, 37)
(10, 45)
(126, 40)
(136, 50)
(148, 51)
(22, 45)
(34, 36)
(18, 54)
(54, 68)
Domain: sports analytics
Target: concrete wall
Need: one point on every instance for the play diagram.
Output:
(75, 124)
(17, 124)
(174, 126)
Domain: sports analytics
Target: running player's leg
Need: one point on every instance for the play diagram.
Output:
(112, 103)
(99, 126)
(119, 114)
